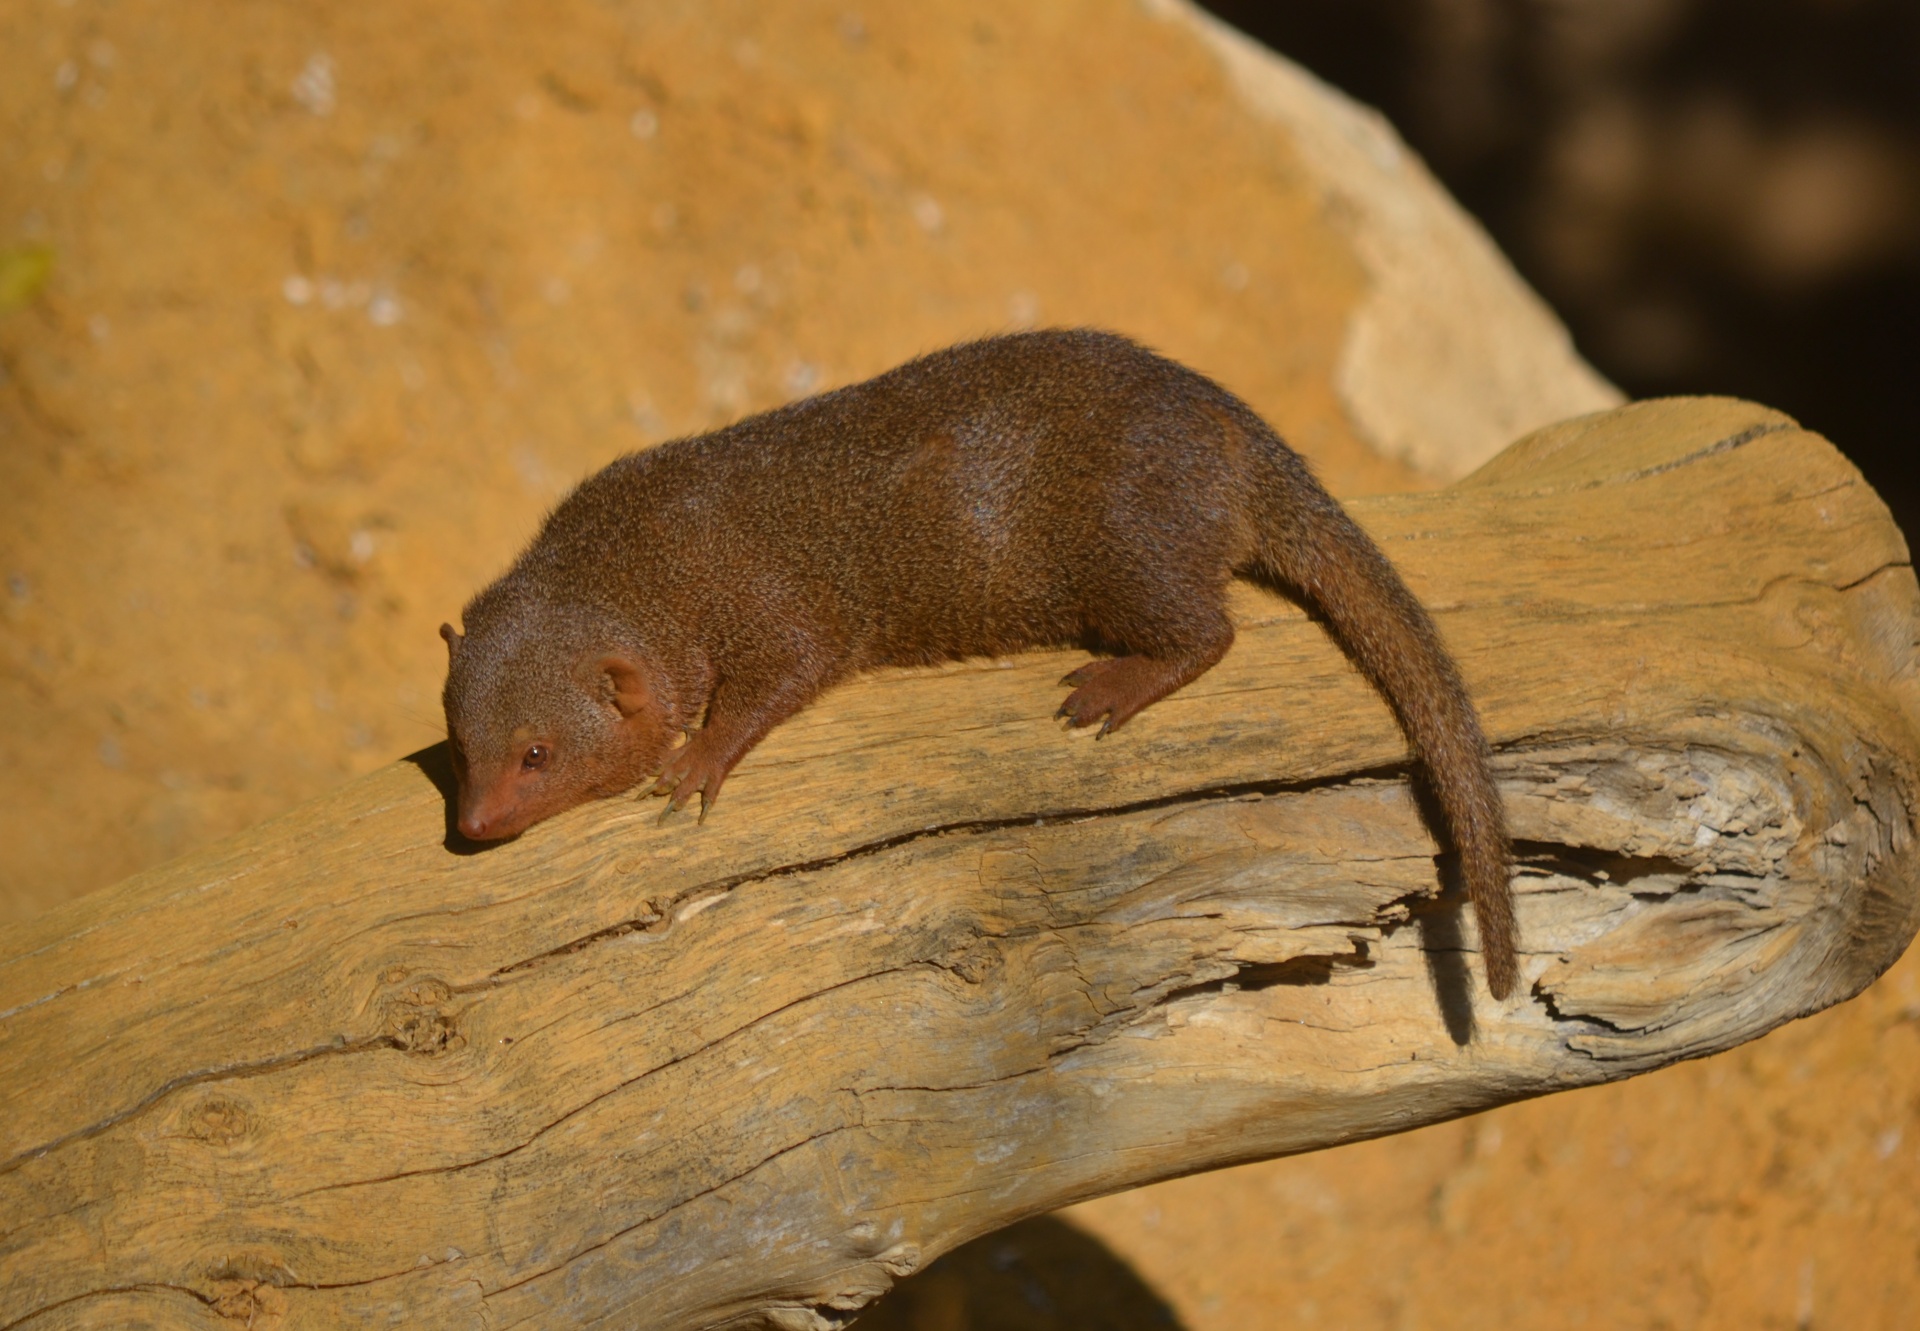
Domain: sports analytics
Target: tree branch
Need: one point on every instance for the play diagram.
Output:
(933, 966)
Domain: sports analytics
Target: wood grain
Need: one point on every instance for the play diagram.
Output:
(932, 966)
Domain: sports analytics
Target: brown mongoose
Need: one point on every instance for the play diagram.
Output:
(1051, 488)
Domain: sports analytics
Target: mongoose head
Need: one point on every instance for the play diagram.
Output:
(542, 715)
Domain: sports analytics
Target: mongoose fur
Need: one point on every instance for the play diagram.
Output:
(1052, 488)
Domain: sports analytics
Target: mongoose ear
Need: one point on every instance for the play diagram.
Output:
(454, 640)
(626, 686)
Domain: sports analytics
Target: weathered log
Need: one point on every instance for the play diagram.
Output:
(932, 966)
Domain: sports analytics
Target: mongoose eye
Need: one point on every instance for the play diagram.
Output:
(536, 758)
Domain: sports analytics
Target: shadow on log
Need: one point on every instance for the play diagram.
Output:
(933, 966)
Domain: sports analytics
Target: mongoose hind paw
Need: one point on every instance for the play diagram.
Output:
(1112, 691)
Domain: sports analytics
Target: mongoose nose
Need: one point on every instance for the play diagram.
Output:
(474, 827)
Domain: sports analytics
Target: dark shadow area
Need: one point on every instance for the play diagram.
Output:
(1719, 196)
(1038, 1275)
(1620, 869)
(1438, 921)
(1447, 969)
(436, 762)
(1255, 976)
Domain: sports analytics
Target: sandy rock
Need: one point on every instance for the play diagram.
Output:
(342, 299)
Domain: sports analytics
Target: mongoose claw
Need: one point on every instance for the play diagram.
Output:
(677, 800)
(1079, 712)
(689, 771)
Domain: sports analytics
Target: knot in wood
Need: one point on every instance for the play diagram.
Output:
(250, 1303)
(245, 1289)
(219, 1120)
(974, 960)
(417, 1017)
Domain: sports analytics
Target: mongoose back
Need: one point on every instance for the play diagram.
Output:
(1052, 488)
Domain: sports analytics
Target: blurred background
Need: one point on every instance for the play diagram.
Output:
(1718, 196)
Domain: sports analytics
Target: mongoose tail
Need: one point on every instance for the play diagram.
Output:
(1308, 543)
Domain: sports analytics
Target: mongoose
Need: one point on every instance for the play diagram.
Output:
(1053, 488)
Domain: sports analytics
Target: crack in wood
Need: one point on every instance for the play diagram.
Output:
(662, 921)
(256, 1068)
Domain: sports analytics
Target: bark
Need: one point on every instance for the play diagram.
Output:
(932, 965)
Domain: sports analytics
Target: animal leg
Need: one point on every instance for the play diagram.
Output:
(1111, 691)
(737, 719)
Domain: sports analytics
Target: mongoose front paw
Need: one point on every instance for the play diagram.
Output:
(692, 769)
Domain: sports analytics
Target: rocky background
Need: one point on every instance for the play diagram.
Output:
(307, 313)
